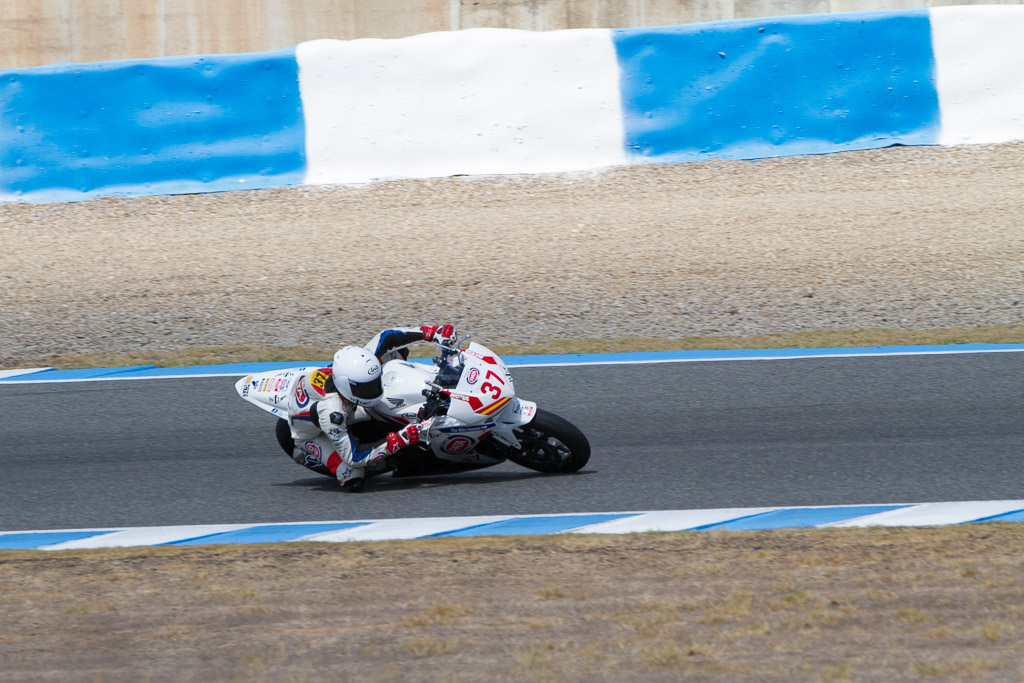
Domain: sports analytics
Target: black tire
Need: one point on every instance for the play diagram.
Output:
(284, 439)
(551, 444)
(284, 436)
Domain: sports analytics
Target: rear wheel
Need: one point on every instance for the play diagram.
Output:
(551, 444)
(284, 436)
(284, 439)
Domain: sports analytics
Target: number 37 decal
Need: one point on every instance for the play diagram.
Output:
(488, 388)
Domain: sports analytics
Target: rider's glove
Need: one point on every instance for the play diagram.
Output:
(445, 334)
(407, 436)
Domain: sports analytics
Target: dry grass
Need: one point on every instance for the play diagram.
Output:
(441, 614)
(430, 647)
(803, 604)
(1002, 334)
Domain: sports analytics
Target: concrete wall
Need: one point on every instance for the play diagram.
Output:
(35, 32)
(506, 101)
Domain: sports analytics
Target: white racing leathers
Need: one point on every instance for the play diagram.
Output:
(318, 418)
(319, 421)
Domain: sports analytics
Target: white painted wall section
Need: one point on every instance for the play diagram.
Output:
(482, 101)
(979, 59)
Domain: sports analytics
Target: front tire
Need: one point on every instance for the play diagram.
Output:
(551, 444)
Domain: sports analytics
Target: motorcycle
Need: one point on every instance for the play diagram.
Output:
(476, 419)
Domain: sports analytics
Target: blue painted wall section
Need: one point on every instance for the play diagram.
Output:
(741, 89)
(157, 126)
(763, 88)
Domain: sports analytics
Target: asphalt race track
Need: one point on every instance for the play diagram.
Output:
(828, 431)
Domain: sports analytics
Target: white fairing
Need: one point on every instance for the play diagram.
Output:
(483, 402)
(270, 390)
(404, 383)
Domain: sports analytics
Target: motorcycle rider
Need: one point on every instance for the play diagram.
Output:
(325, 402)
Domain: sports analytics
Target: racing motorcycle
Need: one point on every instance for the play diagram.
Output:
(477, 421)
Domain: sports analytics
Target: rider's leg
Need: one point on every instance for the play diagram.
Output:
(290, 443)
(352, 475)
(315, 451)
(319, 454)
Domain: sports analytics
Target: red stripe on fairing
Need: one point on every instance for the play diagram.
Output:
(333, 461)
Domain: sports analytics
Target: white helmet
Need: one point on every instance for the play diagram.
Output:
(357, 376)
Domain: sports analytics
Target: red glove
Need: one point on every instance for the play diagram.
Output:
(407, 436)
(443, 333)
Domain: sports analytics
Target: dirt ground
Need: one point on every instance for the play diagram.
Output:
(913, 238)
(806, 605)
(906, 238)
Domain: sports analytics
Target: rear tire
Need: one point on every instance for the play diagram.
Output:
(284, 439)
(551, 444)
(284, 436)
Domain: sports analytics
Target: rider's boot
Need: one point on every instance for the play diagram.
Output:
(351, 478)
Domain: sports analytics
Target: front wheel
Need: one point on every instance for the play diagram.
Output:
(551, 444)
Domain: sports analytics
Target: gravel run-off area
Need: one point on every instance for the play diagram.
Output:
(916, 238)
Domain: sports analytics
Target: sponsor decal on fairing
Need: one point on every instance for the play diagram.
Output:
(457, 445)
(474, 428)
(525, 410)
(472, 376)
(301, 397)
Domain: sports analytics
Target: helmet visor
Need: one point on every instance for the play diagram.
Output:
(367, 390)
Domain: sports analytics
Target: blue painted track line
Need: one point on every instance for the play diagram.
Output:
(519, 526)
(267, 533)
(729, 519)
(38, 539)
(799, 517)
(642, 357)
